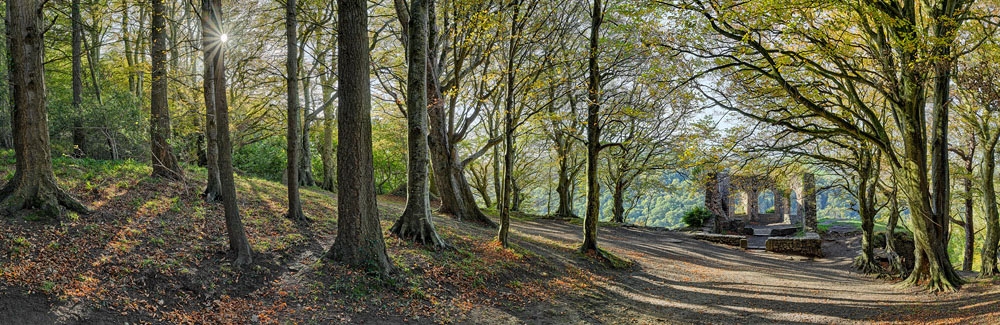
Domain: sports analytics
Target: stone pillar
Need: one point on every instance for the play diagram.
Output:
(725, 193)
(752, 204)
(779, 202)
(807, 202)
(713, 201)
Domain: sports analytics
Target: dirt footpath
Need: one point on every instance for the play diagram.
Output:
(680, 280)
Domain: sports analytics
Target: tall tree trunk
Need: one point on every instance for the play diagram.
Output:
(209, 43)
(508, 130)
(564, 148)
(448, 171)
(895, 261)
(163, 159)
(516, 197)
(238, 242)
(79, 134)
(34, 183)
(359, 239)
(988, 265)
(93, 57)
(305, 161)
(593, 133)
(484, 192)
(932, 223)
(618, 202)
(127, 43)
(6, 129)
(968, 224)
(292, 81)
(328, 149)
(497, 165)
(416, 222)
(867, 185)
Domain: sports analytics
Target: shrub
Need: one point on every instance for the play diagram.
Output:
(696, 217)
(265, 159)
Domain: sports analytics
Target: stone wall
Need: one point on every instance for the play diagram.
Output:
(809, 245)
(731, 240)
(769, 218)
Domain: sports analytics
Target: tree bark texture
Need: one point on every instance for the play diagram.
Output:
(930, 198)
(292, 82)
(238, 242)
(359, 241)
(448, 171)
(416, 222)
(968, 223)
(564, 147)
(34, 183)
(209, 40)
(79, 134)
(508, 131)
(305, 158)
(163, 160)
(867, 185)
(593, 133)
(618, 202)
(328, 147)
(988, 265)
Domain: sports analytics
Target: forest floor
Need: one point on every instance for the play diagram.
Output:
(153, 252)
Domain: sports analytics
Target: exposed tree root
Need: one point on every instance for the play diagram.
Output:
(867, 265)
(418, 229)
(946, 281)
(607, 258)
(43, 195)
(299, 217)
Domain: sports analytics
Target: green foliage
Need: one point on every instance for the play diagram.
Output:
(389, 153)
(696, 217)
(264, 159)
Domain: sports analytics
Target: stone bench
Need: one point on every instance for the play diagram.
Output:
(809, 245)
(731, 240)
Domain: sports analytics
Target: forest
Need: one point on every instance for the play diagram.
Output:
(494, 161)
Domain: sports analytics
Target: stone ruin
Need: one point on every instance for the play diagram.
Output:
(755, 229)
(723, 191)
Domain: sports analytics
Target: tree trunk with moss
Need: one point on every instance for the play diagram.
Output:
(448, 170)
(593, 133)
(618, 202)
(416, 222)
(988, 265)
(34, 183)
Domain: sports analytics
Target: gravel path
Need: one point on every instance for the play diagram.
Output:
(680, 280)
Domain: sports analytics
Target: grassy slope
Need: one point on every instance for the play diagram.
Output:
(153, 250)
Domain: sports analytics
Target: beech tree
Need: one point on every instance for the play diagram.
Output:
(291, 80)
(416, 221)
(34, 183)
(210, 32)
(79, 136)
(593, 211)
(163, 159)
(238, 242)
(839, 71)
(979, 111)
(359, 241)
(449, 125)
